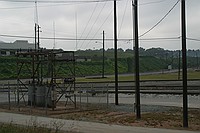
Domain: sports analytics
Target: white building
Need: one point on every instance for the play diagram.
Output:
(7, 49)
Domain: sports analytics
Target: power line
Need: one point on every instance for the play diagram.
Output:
(61, 4)
(161, 38)
(94, 23)
(193, 39)
(123, 17)
(153, 2)
(58, 1)
(89, 20)
(100, 27)
(93, 39)
(160, 20)
(26, 7)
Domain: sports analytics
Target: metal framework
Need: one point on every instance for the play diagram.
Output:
(50, 75)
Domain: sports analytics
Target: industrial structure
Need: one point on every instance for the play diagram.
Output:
(51, 75)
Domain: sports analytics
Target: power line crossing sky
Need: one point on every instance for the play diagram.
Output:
(159, 23)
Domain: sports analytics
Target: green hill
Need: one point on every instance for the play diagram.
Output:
(8, 65)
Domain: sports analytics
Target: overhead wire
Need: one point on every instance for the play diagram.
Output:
(90, 39)
(153, 2)
(193, 39)
(95, 39)
(123, 17)
(58, 1)
(47, 5)
(100, 27)
(154, 26)
(61, 4)
(89, 20)
(122, 21)
(94, 23)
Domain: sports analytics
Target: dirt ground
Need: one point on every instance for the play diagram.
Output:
(152, 116)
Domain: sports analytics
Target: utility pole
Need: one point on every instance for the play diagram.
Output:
(38, 36)
(35, 36)
(115, 47)
(136, 49)
(184, 65)
(103, 55)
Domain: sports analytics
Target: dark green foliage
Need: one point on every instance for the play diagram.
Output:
(154, 59)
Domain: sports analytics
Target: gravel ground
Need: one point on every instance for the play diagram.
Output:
(144, 108)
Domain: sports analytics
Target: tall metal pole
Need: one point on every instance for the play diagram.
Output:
(136, 49)
(103, 55)
(35, 36)
(184, 65)
(115, 47)
(38, 37)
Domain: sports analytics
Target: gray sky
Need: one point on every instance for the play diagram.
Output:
(18, 18)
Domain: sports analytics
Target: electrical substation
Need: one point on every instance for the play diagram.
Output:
(46, 85)
(46, 80)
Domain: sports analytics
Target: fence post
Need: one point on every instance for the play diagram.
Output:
(18, 99)
(80, 91)
(87, 90)
(15, 96)
(107, 95)
(46, 98)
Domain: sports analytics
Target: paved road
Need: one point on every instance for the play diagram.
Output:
(79, 126)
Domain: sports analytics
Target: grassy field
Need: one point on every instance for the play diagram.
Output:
(168, 76)
(31, 128)
(11, 128)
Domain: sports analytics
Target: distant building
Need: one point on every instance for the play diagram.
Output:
(7, 49)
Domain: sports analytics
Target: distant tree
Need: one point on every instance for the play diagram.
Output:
(120, 50)
(130, 65)
(110, 50)
(129, 50)
(88, 50)
(156, 52)
(141, 51)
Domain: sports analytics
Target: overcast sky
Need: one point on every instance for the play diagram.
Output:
(87, 20)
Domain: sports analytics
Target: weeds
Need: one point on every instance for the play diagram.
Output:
(56, 125)
(33, 126)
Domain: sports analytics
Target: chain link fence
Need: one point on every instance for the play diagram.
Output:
(91, 94)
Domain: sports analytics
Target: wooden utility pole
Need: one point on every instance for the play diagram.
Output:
(184, 65)
(115, 47)
(35, 36)
(103, 55)
(136, 50)
(38, 36)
